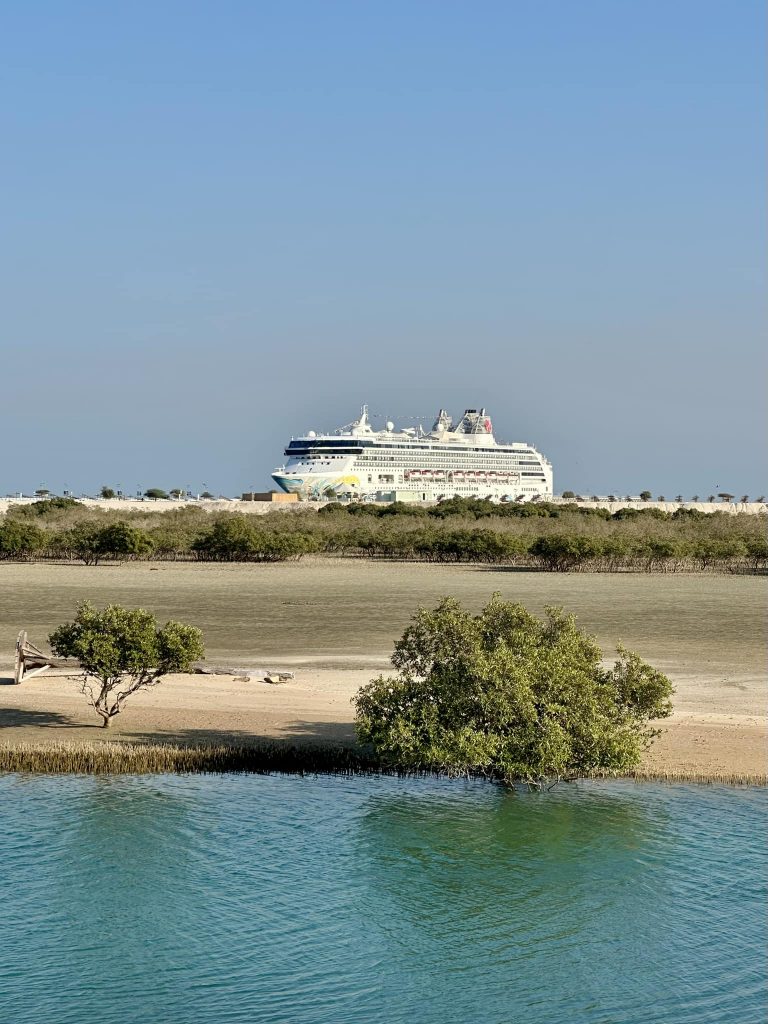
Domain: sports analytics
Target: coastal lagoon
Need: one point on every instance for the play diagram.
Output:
(233, 899)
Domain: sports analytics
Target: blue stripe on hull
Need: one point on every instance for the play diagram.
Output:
(289, 484)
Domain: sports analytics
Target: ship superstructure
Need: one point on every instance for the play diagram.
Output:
(464, 460)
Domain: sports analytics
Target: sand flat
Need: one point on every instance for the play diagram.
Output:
(334, 622)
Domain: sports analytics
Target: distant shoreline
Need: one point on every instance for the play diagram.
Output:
(263, 507)
(276, 757)
(550, 536)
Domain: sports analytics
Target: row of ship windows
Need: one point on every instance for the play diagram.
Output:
(414, 452)
(495, 466)
(379, 458)
(437, 457)
(317, 462)
(416, 463)
(473, 489)
(358, 445)
(535, 476)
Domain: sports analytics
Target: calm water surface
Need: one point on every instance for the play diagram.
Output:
(247, 899)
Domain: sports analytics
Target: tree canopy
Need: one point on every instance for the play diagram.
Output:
(510, 696)
(239, 540)
(565, 537)
(122, 650)
(19, 539)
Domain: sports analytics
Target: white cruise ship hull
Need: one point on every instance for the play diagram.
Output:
(468, 462)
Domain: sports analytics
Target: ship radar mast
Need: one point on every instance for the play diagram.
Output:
(361, 425)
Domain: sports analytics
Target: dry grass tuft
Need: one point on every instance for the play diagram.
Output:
(138, 758)
(112, 758)
(659, 775)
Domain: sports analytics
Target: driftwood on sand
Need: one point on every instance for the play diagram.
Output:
(240, 672)
(31, 661)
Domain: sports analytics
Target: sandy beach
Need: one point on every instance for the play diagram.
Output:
(333, 624)
(713, 733)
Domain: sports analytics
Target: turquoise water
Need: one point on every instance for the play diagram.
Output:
(232, 899)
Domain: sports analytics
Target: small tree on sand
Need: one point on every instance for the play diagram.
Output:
(509, 696)
(121, 651)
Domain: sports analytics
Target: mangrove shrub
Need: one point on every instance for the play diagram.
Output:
(238, 540)
(510, 696)
(121, 651)
(19, 539)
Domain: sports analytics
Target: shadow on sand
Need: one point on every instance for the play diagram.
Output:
(310, 734)
(15, 718)
(339, 734)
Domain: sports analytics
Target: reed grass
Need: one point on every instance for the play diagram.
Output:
(116, 758)
(704, 778)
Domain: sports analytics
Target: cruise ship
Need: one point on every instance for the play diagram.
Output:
(464, 460)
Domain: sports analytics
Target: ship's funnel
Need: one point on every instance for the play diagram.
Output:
(443, 422)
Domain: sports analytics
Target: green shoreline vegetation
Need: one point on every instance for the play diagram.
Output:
(511, 696)
(560, 538)
(501, 694)
(277, 757)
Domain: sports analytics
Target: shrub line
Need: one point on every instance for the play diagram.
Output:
(562, 538)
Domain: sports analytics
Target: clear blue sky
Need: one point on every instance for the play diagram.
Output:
(226, 223)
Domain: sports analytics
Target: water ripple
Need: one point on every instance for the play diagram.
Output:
(227, 899)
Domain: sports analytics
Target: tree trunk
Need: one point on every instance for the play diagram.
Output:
(107, 722)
